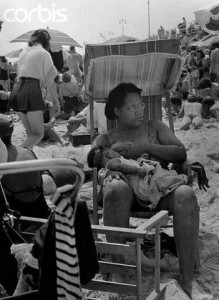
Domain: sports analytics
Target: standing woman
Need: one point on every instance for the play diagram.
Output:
(200, 60)
(4, 73)
(35, 71)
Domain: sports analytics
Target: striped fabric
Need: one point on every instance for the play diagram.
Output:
(130, 49)
(154, 73)
(68, 281)
(153, 102)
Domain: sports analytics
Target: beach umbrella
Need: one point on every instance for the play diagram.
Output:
(206, 41)
(13, 54)
(120, 39)
(208, 17)
(57, 38)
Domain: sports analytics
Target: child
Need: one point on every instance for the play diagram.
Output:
(192, 113)
(146, 178)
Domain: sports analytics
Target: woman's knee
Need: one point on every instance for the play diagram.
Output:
(185, 197)
(117, 190)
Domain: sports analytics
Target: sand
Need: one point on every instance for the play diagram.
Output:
(202, 145)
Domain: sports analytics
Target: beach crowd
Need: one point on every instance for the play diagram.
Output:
(42, 88)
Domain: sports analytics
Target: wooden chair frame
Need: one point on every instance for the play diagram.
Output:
(137, 234)
(133, 250)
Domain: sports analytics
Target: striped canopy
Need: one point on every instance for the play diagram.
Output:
(154, 73)
(57, 38)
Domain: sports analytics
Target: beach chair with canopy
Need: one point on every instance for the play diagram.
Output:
(153, 66)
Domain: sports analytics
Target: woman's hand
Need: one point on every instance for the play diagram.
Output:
(124, 148)
(47, 125)
(115, 175)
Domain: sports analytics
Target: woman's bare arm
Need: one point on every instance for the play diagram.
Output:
(115, 165)
(170, 148)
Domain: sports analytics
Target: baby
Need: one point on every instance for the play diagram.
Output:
(148, 181)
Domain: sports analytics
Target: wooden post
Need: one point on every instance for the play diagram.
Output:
(170, 115)
(91, 104)
(157, 259)
(95, 205)
(138, 269)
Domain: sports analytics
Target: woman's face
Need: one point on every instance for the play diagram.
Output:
(198, 54)
(132, 112)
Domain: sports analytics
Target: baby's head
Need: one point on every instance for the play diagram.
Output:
(99, 156)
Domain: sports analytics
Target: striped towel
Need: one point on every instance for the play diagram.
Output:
(68, 280)
(154, 73)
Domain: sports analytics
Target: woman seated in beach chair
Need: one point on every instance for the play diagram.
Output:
(131, 138)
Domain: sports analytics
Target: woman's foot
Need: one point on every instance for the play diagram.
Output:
(195, 291)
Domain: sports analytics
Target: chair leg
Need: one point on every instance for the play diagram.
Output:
(138, 269)
(157, 259)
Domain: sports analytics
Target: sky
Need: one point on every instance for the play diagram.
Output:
(90, 21)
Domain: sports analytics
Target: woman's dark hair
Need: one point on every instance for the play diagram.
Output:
(193, 48)
(117, 97)
(40, 36)
(199, 99)
(214, 45)
(204, 83)
(1, 87)
(94, 160)
(208, 100)
(176, 101)
(3, 59)
(201, 52)
(192, 98)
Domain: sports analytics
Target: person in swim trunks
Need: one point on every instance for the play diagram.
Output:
(192, 113)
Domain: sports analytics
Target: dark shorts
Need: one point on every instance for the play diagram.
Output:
(3, 106)
(62, 177)
(36, 209)
(29, 96)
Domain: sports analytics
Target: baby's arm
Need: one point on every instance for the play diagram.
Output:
(115, 165)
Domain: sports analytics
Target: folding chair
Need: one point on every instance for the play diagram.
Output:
(134, 250)
(37, 165)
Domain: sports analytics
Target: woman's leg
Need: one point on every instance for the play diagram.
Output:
(197, 122)
(117, 200)
(195, 83)
(186, 121)
(35, 121)
(52, 134)
(25, 122)
(183, 205)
